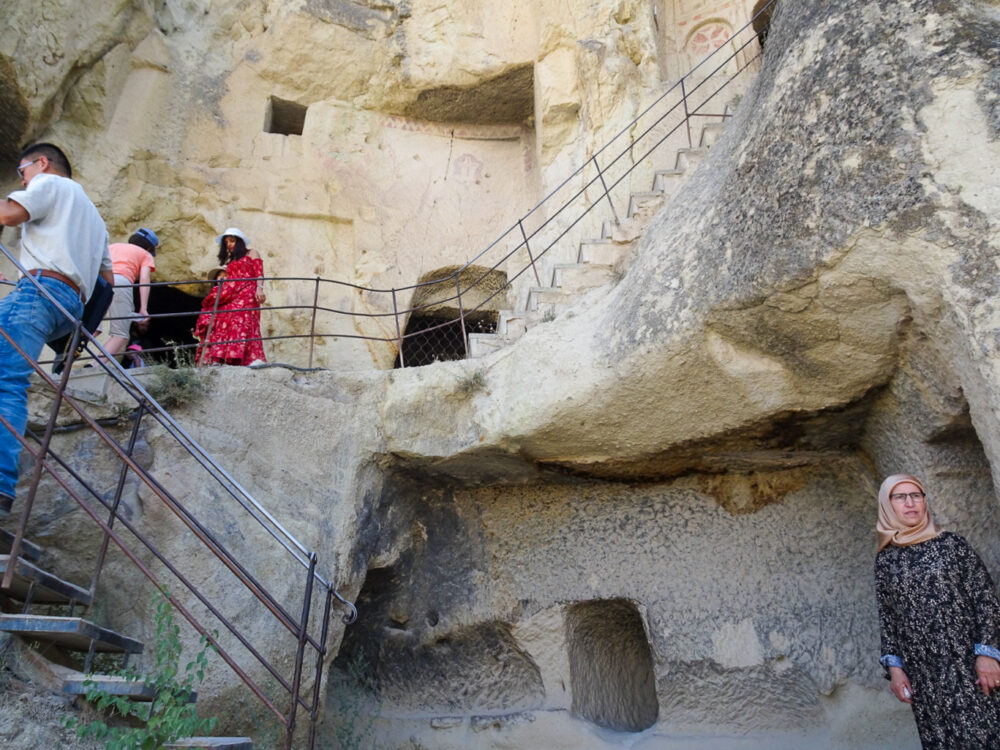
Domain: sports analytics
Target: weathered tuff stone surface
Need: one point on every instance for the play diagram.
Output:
(427, 129)
(697, 450)
(825, 286)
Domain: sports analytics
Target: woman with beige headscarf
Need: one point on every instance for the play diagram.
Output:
(940, 623)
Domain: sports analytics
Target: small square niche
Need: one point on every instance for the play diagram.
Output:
(284, 117)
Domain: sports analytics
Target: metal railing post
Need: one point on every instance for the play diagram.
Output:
(300, 652)
(687, 115)
(312, 326)
(399, 335)
(318, 679)
(461, 314)
(113, 512)
(206, 344)
(607, 194)
(36, 475)
(531, 258)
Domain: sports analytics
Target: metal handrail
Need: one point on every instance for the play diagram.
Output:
(139, 393)
(48, 461)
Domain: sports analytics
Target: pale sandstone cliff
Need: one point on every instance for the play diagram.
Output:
(678, 475)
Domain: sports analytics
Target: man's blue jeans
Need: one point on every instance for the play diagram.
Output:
(31, 320)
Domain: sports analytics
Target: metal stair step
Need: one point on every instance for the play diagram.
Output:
(214, 743)
(110, 684)
(29, 550)
(32, 666)
(72, 633)
(42, 586)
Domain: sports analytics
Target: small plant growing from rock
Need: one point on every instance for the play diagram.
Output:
(180, 383)
(171, 715)
(472, 383)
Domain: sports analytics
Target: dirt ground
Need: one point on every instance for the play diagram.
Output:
(31, 718)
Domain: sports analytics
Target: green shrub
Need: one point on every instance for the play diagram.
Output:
(170, 715)
(354, 706)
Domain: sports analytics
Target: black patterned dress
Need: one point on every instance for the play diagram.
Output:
(936, 604)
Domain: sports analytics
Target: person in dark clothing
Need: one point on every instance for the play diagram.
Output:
(939, 618)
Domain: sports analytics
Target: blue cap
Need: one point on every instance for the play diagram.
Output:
(149, 235)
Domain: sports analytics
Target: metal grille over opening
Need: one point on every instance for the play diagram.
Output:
(441, 300)
(429, 339)
(284, 117)
(610, 665)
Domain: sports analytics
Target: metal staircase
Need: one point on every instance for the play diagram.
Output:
(283, 669)
(31, 585)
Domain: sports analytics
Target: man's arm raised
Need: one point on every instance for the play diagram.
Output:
(12, 213)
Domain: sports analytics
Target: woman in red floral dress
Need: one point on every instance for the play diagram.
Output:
(231, 336)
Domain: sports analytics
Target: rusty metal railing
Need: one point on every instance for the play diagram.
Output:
(306, 633)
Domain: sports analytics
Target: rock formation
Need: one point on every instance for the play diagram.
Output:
(674, 480)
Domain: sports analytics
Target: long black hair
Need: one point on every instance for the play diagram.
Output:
(238, 252)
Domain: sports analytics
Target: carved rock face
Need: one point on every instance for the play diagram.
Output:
(693, 454)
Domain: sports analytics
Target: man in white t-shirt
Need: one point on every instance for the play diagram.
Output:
(64, 246)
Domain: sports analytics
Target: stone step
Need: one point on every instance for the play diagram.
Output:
(32, 585)
(689, 158)
(511, 325)
(667, 182)
(71, 633)
(542, 297)
(575, 277)
(710, 133)
(482, 344)
(29, 550)
(645, 204)
(603, 252)
(213, 743)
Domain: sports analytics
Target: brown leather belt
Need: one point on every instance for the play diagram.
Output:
(57, 276)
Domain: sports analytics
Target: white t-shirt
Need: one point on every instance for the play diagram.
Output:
(65, 233)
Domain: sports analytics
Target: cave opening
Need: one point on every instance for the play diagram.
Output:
(284, 117)
(507, 98)
(434, 331)
(761, 15)
(611, 665)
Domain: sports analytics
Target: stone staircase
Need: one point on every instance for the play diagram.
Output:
(602, 260)
(30, 586)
